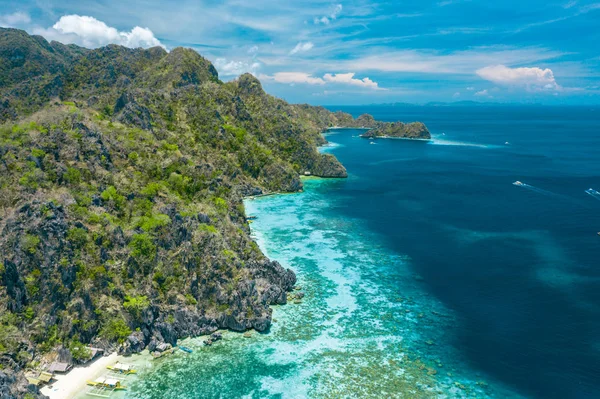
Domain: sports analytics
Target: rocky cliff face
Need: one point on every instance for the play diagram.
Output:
(122, 173)
(15, 386)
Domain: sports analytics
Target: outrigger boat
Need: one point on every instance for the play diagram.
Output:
(110, 383)
(122, 368)
(104, 387)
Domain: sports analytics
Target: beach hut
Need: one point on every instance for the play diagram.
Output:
(58, 367)
(34, 381)
(96, 352)
(45, 377)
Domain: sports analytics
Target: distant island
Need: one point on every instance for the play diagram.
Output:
(414, 130)
(377, 129)
(122, 178)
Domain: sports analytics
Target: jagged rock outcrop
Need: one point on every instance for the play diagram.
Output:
(249, 85)
(327, 165)
(15, 386)
(178, 68)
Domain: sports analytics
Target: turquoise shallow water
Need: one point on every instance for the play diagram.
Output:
(364, 329)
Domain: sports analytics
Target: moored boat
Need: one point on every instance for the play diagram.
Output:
(109, 383)
(122, 368)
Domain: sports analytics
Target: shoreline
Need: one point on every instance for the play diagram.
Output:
(395, 138)
(71, 384)
(346, 128)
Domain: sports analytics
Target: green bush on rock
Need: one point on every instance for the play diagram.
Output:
(115, 330)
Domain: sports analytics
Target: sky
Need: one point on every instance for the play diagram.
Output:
(355, 52)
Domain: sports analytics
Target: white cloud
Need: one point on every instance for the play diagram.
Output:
(460, 62)
(482, 93)
(533, 79)
(294, 77)
(325, 20)
(90, 32)
(328, 78)
(235, 68)
(253, 50)
(456, 95)
(302, 47)
(470, 88)
(348, 78)
(14, 20)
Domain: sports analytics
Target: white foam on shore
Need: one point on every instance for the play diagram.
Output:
(329, 147)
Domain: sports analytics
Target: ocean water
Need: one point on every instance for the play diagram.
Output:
(427, 273)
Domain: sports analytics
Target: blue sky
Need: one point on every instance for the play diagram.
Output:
(356, 52)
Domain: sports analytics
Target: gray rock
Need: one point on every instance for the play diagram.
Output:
(14, 385)
(135, 343)
(261, 324)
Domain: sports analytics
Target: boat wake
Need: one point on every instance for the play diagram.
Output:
(437, 141)
(593, 193)
(539, 190)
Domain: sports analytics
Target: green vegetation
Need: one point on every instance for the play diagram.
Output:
(72, 176)
(113, 198)
(142, 247)
(207, 229)
(115, 330)
(77, 236)
(136, 305)
(79, 351)
(30, 243)
(153, 222)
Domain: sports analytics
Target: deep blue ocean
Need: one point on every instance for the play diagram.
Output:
(427, 273)
(519, 266)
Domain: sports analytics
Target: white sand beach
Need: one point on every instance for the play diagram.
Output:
(68, 385)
